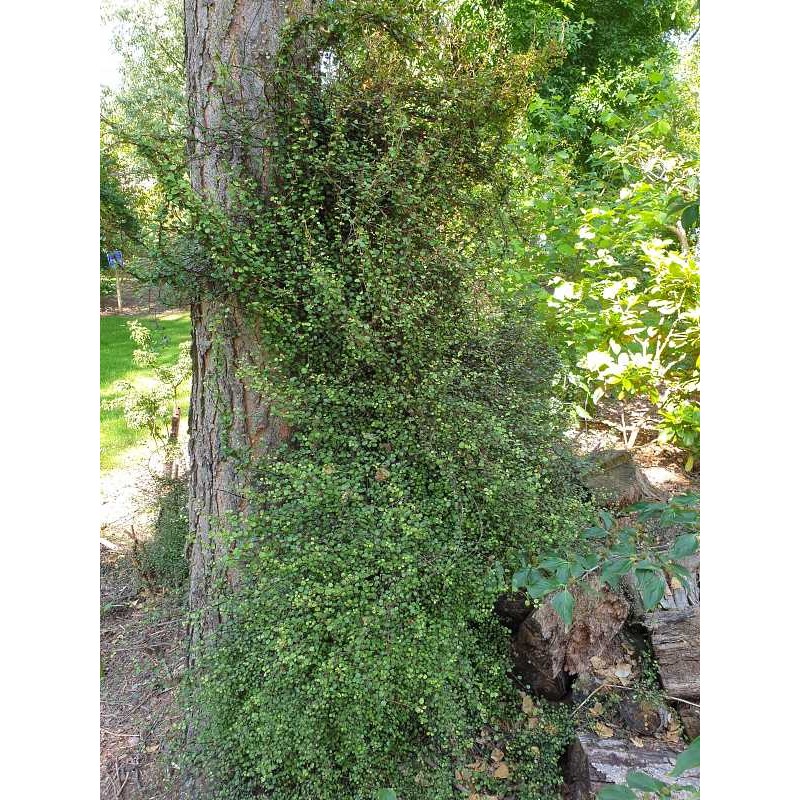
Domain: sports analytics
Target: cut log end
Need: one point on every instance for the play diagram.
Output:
(593, 763)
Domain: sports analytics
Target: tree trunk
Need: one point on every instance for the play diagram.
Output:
(229, 423)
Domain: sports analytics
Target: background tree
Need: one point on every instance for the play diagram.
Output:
(148, 105)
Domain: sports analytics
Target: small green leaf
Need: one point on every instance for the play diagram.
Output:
(500, 573)
(642, 781)
(616, 793)
(564, 604)
(688, 759)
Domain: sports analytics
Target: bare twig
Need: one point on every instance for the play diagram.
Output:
(681, 700)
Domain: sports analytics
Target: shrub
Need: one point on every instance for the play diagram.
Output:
(164, 554)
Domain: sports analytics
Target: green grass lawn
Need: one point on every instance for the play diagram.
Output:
(116, 363)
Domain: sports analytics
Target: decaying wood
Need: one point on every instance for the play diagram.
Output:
(642, 716)
(593, 763)
(512, 609)
(616, 481)
(598, 617)
(533, 662)
(545, 652)
(676, 645)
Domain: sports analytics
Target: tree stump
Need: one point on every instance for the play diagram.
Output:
(616, 481)
(545, 652)
(593, 763)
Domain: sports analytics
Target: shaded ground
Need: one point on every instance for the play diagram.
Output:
(142, 650)
(663, 465)
(141, 661)
(138, 299)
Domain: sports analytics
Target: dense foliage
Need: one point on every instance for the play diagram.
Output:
(149, 105)
(425, 444)
(603, 231)
(408, 346)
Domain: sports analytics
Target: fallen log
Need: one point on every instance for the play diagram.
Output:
(675, 635)
(593, 763)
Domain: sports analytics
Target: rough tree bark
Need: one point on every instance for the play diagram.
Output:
(225, 413)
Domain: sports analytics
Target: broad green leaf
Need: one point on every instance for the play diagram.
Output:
(685, 545)
(614, 569)
(387, 794)
(688, 759)
(551, 563)
(577, 568)
(521, 578)
(690, 218)
(626, 546)
(685, 500)
(595, 533)
(539, 588)
(643, 782)
(563, 572)
(652, 586)
(607, 519)
(681, 573)
(564, 604)
(588, 561)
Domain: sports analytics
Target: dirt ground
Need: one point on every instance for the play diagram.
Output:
(141, 649)
(663, 465)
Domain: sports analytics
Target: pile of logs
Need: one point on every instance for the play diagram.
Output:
(599, 655)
